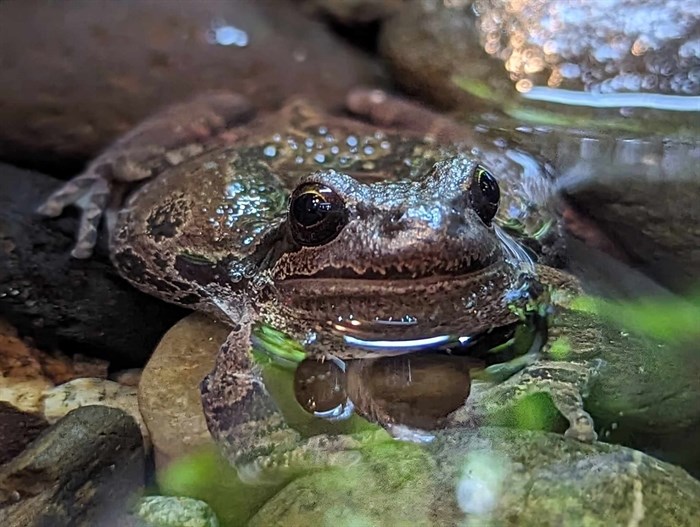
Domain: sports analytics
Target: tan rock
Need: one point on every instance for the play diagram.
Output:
(22, 380)
(26, 372)
(60, 400)
(169, 389)
(130, 377)
(24, 394)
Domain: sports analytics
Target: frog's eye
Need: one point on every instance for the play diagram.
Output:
(484, 194)
(316, 214)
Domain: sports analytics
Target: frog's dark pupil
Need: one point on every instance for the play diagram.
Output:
(489, 187)
(310, 208)
(485, 195)
(317, 214)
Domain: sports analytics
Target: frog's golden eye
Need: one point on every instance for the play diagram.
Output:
(484, 194)
(316, 214)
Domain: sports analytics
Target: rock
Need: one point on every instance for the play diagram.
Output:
(68, 89)
(174, 511)
(169, 397)
(17, 430)
(494, 476)
(22, 379)
(352, 12)
(130, 377)
(80, 472)
(28, 375)
(425, 44)
(77, 306)
(21, 360)
(64, 398)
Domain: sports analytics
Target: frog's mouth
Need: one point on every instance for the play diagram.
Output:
(421, 270)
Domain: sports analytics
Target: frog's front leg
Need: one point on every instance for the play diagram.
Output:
(564, 382)
(240, 414)
(168, 138)
(246, 422)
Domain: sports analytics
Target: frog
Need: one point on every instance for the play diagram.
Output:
(332, 230)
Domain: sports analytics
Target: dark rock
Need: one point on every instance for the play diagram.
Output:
(68, 89)
(17, 430)
(352, 12)
(79, 306)
(80, 472)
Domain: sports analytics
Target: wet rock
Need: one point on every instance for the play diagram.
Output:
(352, 12)
(28, 376)
(68, 89)
(73, 305)
(17, 430)
(62, 399)
(80, 472)
(169, 397)
(27, 372)
(427, 43)
(495, 475)
(173, 511)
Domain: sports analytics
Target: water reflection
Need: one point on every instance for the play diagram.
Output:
(417, 390)
(678, 103)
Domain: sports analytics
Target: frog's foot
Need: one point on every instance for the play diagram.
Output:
(563, 382)
(169, 138)
(90, 193)
(391, 111)
(580, 425)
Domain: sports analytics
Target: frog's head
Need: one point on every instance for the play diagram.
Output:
(388, 232)
(382, 250)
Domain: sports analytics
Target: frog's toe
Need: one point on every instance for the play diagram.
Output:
(89, 193)
(581, 428)
(67, 194)
(93, 206)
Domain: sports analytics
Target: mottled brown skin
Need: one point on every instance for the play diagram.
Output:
(213, 232)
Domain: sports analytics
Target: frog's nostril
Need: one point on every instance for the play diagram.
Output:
(395, 221)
